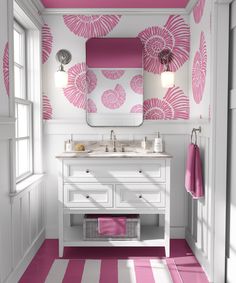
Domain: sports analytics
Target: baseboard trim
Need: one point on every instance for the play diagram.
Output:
(177, 232)
(199, 255)
(25, 261)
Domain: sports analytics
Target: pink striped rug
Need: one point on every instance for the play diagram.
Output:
(113, 271)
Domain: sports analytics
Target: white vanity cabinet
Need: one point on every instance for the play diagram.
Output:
(124, 185)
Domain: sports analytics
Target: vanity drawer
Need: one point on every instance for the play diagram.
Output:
(133, 169)
(140, 195)
(88, 195)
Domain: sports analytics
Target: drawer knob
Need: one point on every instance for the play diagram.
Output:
(87, 171)
(87, 196)
(140, 196)
(140, 171)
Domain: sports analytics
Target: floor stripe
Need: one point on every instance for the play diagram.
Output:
(143, 271)
(57, 271)
(126, 272)
(91, 272)
(74, 271)
(109, 271)
(174, 270)
(160, 271)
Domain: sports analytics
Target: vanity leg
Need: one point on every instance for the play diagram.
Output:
(61, 249)
(167, 249)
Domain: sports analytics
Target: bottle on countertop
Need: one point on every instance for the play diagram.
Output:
(158, 144)
(69, 145)
(144, 143)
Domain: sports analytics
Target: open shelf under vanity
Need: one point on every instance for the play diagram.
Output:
(150, 236)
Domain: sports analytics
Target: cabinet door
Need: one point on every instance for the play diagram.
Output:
(131, 171)
(140, 195)
(88, 195)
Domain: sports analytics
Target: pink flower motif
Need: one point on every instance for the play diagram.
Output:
(78, 86)
(138, 108)
(113, 74)
(47, 40)
(47, 108)
(114, 99)
(137, 84)
(91, 81)
(5, 67)
(174, 105)
(175, 36)
(198, 11)
(178, 102)
(91, 106)
(157, 109)
(199, 70)
(91, 26)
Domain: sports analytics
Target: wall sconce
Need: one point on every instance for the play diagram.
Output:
(63, 56)
(167, 77)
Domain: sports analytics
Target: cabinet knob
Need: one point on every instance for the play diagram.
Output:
(140, 171)
(87, 196)
(140, 196)
(87, 171)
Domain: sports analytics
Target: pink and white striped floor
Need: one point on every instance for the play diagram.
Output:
(114, 265)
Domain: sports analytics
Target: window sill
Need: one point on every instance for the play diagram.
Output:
(26, 183)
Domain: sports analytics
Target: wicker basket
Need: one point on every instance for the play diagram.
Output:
(90, 228)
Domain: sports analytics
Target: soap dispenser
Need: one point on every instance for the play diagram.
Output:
(69, 145)
(158, 144)
(144, 143)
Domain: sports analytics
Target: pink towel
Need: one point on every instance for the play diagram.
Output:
(190, 168)
(193, 175)
(112, 226)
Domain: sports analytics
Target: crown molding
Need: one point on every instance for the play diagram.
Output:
(111, 11)
(24, 9)
(190, 6)
(39, 6)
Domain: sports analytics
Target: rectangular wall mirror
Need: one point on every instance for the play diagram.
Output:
(114, 82)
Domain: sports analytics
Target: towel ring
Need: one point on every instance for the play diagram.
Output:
(195, 130)
(195, 136)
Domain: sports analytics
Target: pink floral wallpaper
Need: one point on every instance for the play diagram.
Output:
(199, 70)
(47, 40)
(174, 105)
(5, 67)
(91, 26)
(156, 33)
(47, 108)
(77, 88)
(174, 35)
(200, 89)
(198, 11)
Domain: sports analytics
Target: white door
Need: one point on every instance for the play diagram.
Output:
(231, 193)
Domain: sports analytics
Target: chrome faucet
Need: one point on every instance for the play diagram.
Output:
(113, 139)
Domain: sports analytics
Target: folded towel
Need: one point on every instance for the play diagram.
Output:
(112, 226)
(193, 175)
(190, 168)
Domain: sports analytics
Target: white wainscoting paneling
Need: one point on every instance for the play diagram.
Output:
(175, 135)
(27, 229)
(199, 226)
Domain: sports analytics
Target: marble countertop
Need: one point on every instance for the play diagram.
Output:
(102, 154)
(97, 150)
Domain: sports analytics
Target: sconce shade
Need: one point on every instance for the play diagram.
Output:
(61, 78)
(167, 79)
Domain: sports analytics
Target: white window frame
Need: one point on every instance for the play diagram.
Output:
(24, 100)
